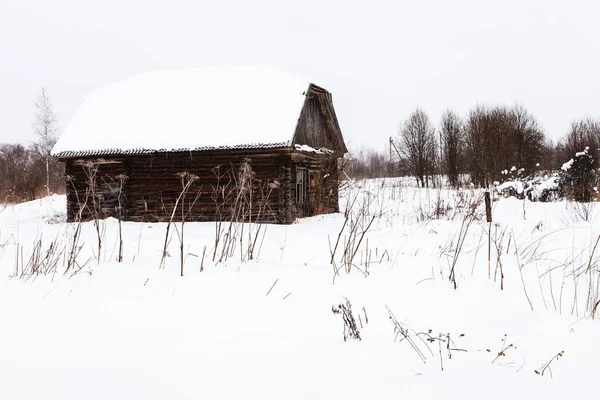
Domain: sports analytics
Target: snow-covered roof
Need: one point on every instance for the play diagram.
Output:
(191, 109)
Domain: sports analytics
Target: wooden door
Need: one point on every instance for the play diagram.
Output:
(314, 195)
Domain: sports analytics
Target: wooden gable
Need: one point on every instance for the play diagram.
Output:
(318, 126)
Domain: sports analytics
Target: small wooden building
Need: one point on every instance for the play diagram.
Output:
(249, 142)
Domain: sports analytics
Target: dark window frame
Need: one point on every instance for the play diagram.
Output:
(302, 185)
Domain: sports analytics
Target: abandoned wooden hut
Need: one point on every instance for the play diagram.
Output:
(251, 143)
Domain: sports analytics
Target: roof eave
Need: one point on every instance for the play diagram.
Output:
(140, 151)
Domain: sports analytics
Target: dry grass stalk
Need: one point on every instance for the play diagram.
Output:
(520, 267)
(504, 348)
(187, 181)
(91, 171)
(546, 366)
(240, 201)
(272, 286)
(202, 262)
(401, 329)
(121, 178)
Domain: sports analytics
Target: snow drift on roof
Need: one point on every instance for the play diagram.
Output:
(204, 108)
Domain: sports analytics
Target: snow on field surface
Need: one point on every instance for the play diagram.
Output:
(189, 109)
(131, 330)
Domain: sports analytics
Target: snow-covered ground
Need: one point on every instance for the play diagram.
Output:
(264, 328)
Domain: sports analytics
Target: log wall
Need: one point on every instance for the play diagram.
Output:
(152, 186)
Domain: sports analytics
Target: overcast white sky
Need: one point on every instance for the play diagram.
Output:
(380, 59)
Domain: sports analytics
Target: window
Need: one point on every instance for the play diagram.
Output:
(301, 185)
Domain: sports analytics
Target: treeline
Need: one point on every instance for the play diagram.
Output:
(23, 174)
(27, 173)
(483, 145)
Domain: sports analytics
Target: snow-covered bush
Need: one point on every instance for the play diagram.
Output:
(579, 179)
(542, 188)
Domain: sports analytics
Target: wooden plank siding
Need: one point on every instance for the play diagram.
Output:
(318, 126)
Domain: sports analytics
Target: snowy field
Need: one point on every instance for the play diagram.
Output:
(264, 328)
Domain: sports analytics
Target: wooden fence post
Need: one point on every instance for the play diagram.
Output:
(488, 217)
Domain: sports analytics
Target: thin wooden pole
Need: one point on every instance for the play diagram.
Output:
(489, 249)
(488, 216)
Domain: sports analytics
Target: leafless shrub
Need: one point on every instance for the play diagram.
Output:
(74, 248)
(241, 200)
(500, 137)
(221, 196)
(472, 212)
(578, 212)
(21, 174)
(583, 132)
(44, 260)
(93, 203)
(449, 205)
(357, 223)
(350, 329)
(30, 172)
(239, 211)
(435, 209)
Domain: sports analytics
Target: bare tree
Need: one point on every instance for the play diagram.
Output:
(45, 128)
(579, 177)
(417, 146)
(487, 134)
(452, 143)
(18, 178)
(582, 146)
(367, 163)
(501, 138)
(527, 139)
(584, 132)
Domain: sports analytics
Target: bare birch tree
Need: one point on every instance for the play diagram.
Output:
(45, 128)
